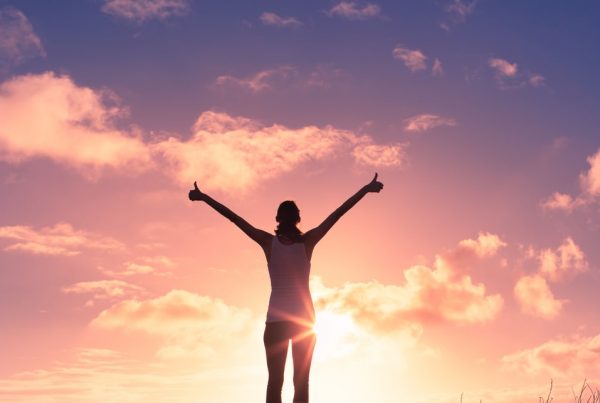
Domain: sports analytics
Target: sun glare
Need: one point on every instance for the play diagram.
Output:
(337, 334)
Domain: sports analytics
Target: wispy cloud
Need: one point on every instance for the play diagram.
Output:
(353, 10)
(50, 116)
(156, 265)
(378, 155)
(426, 121)
(236, 153)
(413, 59)
(61, 239)
(457, 12)
(102, 290)
(508, 75)
(18, 40)
(144, 10)
(260, 81)
(503, 68)
(575, 357)
(273, 19)
(321, 76)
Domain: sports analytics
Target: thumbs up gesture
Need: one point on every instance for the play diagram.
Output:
(195, 194)
(374, 186)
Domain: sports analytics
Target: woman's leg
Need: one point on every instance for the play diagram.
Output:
(276, 344)
(303, 345)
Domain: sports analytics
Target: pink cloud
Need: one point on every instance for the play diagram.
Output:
(377, 155)
(236, 153)
(156, 265)
(535, 297)
(413, 59)
(566, 260)
(144, 10)
(104, 290)
(61, 239)
(260, 81)
(427, 294)
(589, 182)
(49, 116)
(576, 357)
(188, 323)
(426, 121)
(560, 201)
(503, 68)
(351, 10)
(18, 40)
(273, 19)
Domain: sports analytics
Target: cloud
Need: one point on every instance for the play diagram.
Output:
(437, 70)
(157, 265)
(503, 68)
(575, 357)
(567, 259)
(589, 183)
(351, 10)
(74, 126)
(537, 80)
(413, 59)
(61, 239)
(508, 75)
(437, 294)
(145, 10)
(235, 153)
(104, 290)
(322, 76)
(457, 12)
(18, 41)
(189, 323)
(260, 81)
(273, 19)
(377, 155)
(426, 121)
(560, 201)
(533, 292)
(49, 116)
(535, 297)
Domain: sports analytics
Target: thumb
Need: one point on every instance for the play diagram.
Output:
(196, 186)
(375, 177)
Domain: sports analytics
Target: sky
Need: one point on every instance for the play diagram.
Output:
(474, 272)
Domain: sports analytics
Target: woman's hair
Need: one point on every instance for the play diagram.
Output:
(288, 217)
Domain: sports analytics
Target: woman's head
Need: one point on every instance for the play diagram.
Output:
(288, 217)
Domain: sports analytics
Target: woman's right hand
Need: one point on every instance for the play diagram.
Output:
(195, 194)
(374, 186)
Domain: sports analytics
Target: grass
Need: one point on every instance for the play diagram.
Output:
(587, 394)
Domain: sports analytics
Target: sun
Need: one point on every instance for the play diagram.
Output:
(337, 334)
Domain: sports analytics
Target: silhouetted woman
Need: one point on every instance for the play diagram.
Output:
(291, 314)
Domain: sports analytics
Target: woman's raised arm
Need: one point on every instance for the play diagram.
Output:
(258, 235)
(314, 235)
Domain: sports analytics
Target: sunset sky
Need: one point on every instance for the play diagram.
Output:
(476, 270)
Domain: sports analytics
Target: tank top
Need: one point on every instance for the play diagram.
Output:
(289, 270)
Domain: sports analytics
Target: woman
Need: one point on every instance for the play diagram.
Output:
(291, 314)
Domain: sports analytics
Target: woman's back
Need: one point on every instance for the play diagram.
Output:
(289, 270)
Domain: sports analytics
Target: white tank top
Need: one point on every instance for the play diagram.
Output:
(289, 269)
